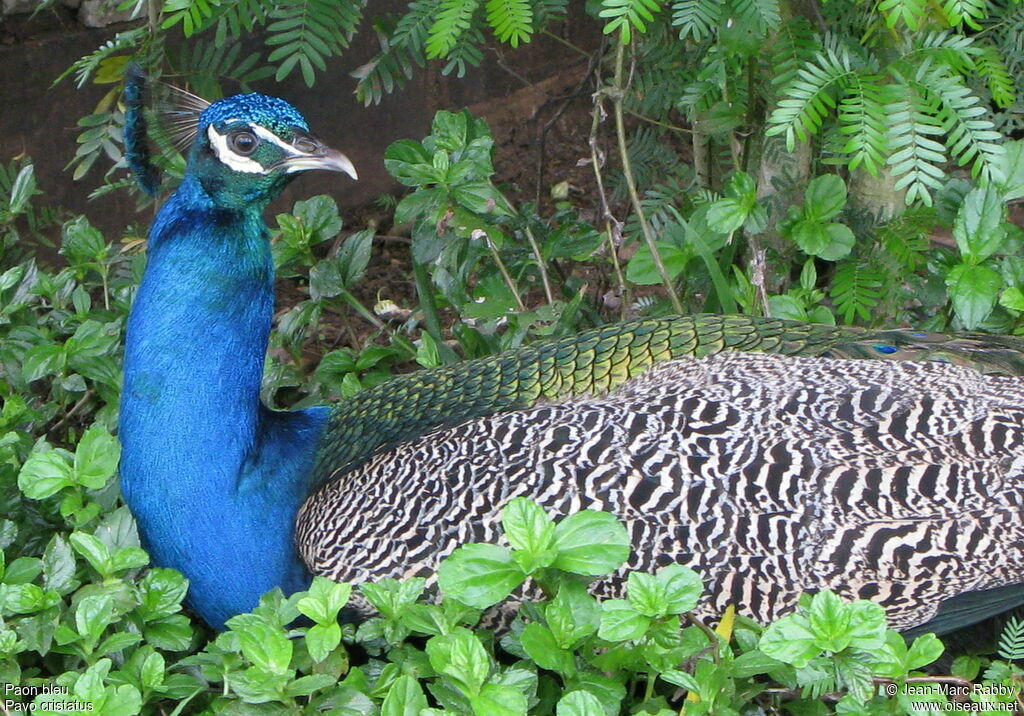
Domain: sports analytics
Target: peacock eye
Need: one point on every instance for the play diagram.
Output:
(244, 143)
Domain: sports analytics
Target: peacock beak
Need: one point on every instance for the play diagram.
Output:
(310, 153)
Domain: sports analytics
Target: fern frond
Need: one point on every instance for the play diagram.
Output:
(625, 16)
(793, 45)
(970, 135)
(956, 51)
(965, 12)
(545, 11)
(305, 32)
(856, 289)
(905, 238)
(465, 53)
(206, 63)
(1011, 641)
(86, 66)
(762, 14)
(696, 18)
(806, 100)
(401, 48)
(237, 17)
(511, 20)
(192, 15)
(997, 76)
(910, 12)
(918, 157)
(453, 19)
(863, 121)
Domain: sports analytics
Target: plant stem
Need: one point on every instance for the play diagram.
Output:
(612, 226)
(501, 267)
(425, 291)
(618, 95)
(540, 263)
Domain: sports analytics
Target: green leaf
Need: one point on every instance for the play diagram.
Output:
(45, 474)
(572, 615)
(529, 530)
(681, 586)
(324, 600)
(979, 227)
(973, 290)
(590, 543)
(620, 621)
(405, 698)
(790, 640)
(825, 197)
(460, 656)
(94, 551)
(925, 649)
(1012, 298)
(480, 575)
(322, 639)
(354, 256)
(262, 643)
(59, 565)
(498, 700)
(540, 645)
(787, 307)
(92, 616)
(642, 270)
(96, 458)
(829, 619)
(580, 703)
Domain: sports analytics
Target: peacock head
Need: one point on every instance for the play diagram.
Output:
(249, 146)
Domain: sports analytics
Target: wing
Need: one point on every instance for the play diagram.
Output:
(895, 481)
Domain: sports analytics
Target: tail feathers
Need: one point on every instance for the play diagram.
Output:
(969, 608)
(988, 354)
(136, 147)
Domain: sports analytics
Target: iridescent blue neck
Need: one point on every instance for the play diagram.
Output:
(213, 478)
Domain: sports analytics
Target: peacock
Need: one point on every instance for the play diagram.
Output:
(772, 456)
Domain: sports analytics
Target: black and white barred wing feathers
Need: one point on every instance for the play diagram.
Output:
(902, 482)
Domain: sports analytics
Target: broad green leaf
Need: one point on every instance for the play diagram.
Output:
(573, 614)
(324, 600)
(925, 649)
(790, 640)
(498, 700)
(641, 268)
(528, 528)
(829, 619)
(480, 575)
(825, 197)
(682, 588)
(59, 565)
(460, 656)
(973, 290)
(590, 543)
(94, 551)
(322, 639)
(620, 621)
(92, 616)
(978, 227)
(45, 474)
(96, 458)
(726, 215)
(579, 703)
(1012, 298)
(787, 307)
(405, 698)
(540, 645)
(264, 644)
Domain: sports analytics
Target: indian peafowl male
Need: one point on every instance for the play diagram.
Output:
(769, 455)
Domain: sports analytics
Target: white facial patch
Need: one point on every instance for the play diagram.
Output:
(219, 142)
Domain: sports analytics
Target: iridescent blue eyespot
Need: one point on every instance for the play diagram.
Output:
(887, 350)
